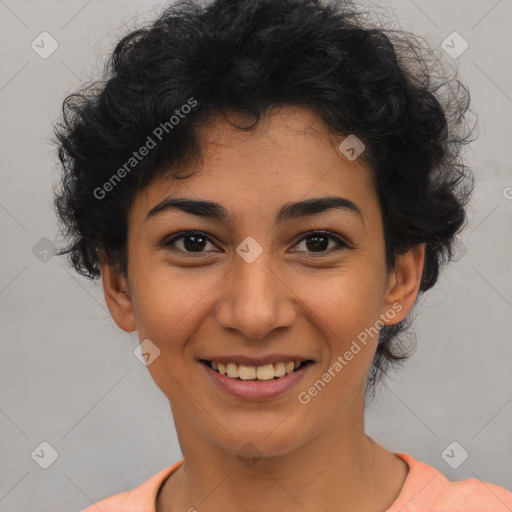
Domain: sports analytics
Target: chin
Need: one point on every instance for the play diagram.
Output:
(253, 441)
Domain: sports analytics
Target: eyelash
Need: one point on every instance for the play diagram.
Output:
(340, 243)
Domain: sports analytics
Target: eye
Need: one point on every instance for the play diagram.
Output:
(190, 242)
(196, 242)
(318, 242)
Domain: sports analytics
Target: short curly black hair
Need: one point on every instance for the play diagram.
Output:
(166, 79)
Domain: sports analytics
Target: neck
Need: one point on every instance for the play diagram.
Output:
(340, 469)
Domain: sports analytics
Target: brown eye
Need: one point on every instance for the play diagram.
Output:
(191, 242)
(319, 243)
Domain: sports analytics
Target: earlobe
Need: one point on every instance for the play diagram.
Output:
(117, 297)
(404, 283)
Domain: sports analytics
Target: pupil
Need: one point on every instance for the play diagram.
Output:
(316, 243)
(317, 246)
(195, 245)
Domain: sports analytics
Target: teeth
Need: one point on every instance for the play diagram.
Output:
(265, 372)
(232, 370)
(279, 370)
(247, 372)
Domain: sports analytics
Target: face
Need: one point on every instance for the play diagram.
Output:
(258, 281)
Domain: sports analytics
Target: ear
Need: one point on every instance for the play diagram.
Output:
(117, 297)
(403, 285)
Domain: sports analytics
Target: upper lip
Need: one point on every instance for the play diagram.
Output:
(257, 361)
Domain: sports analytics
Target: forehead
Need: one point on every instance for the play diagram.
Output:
(290, 154)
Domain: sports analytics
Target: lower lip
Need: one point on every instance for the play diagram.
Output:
(256, 389)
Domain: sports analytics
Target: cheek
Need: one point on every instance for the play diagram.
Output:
(167, 303)
(169, 308)
(345, 301)
(345, 310)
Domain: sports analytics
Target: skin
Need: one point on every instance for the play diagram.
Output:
(291, 299)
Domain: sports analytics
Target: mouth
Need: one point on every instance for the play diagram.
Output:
(266, 372)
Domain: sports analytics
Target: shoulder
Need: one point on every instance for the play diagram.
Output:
(476, 495)
(426, 488)
(139, 499)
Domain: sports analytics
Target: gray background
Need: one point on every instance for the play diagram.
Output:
(68, 374)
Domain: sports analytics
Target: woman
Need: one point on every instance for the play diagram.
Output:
(265, 188)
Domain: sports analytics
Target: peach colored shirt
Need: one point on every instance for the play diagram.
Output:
(424, 490)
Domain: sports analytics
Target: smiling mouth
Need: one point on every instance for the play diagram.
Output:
(264, 373)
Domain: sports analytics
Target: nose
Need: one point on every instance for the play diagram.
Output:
(255, 300)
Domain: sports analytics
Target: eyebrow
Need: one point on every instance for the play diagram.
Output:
(289, 211)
